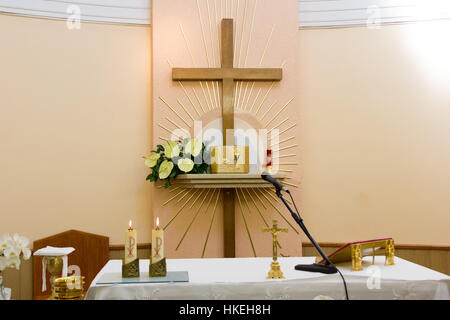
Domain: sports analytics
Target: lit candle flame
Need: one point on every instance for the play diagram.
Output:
(130, 225)
(157, 223)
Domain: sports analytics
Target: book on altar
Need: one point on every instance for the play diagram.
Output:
(368, 248)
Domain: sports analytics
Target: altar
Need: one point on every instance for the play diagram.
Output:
(245, 279)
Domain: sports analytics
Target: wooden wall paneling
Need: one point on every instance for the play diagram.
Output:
(91, 254)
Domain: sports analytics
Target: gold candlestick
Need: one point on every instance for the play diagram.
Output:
(275, 269)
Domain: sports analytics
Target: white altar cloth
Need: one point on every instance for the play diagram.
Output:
(245, 279)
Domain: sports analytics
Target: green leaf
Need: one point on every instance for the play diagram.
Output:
(159, 148)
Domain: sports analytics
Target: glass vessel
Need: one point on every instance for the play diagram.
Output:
(5, 294)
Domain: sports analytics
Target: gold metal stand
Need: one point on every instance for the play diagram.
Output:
(130, 270)
(158, 269)
(389, 252)
(356, 258)
(357, 253)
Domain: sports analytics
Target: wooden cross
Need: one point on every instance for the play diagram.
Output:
(275, 231)
(228, 74)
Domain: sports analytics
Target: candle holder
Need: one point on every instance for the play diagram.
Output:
(131, 269)
(158, 269)
(275, 271)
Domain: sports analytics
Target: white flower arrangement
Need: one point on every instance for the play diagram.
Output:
(176, 157)
(11, 249)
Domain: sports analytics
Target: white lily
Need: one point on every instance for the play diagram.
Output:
(12, 251)
(22, 242)
(4, 242)
(26, 253)
(13, 262)
(3, 263)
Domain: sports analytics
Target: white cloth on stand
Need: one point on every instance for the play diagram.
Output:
(50, 251)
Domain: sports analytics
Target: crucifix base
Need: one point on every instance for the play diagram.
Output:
(275, 271)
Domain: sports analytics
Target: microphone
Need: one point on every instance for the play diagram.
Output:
(266, 176)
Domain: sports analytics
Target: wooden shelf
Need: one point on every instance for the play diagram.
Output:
(231, 180)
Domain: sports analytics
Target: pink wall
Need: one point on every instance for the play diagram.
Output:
(169, 44)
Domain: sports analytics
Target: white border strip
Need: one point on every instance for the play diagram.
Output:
(312, 13)
(108, 11)
(345, 13)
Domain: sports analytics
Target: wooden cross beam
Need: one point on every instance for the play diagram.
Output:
(227, 74)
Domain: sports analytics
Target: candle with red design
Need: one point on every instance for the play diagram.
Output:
(269, 160)
(130, 244)
(157, 243)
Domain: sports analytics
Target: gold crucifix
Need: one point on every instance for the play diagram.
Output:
(228, 74)
(275, 270)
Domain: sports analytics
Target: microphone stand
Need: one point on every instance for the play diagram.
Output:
(328, 267)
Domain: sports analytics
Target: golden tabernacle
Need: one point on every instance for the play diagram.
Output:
(230, 159)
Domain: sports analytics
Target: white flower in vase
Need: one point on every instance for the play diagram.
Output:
(4, 242)
(22, 244)
(3, 263)
(13, 262)
(12, 251)
(26, 253)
